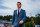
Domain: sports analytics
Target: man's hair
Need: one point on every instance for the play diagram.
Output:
(19, 2)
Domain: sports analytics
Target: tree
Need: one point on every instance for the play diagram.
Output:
(7, 17)
(1, 17)
(37, 19)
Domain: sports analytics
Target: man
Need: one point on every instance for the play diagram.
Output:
(19, 16)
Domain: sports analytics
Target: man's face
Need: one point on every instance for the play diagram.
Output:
(18, 5)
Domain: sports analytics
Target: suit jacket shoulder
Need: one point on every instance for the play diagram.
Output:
(23, 10)
(15, 10)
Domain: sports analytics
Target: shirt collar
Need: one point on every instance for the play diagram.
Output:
(19, 9)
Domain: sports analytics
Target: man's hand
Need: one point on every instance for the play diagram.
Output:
(12, 26)
(21, 22)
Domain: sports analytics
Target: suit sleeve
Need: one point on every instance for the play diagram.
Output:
(24, 17)
(13, 19)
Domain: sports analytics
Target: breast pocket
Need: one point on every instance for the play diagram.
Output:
(21, 15)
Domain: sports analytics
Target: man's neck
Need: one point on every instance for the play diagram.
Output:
(19, 8)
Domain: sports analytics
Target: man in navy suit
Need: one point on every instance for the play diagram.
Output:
(19, 16)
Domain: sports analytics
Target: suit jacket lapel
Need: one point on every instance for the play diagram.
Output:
(20, 12)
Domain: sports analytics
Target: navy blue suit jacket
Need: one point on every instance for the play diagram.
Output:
(16, 19)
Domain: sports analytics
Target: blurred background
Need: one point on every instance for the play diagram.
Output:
(32, 8)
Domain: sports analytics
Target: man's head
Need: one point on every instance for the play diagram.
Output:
(19, 5)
